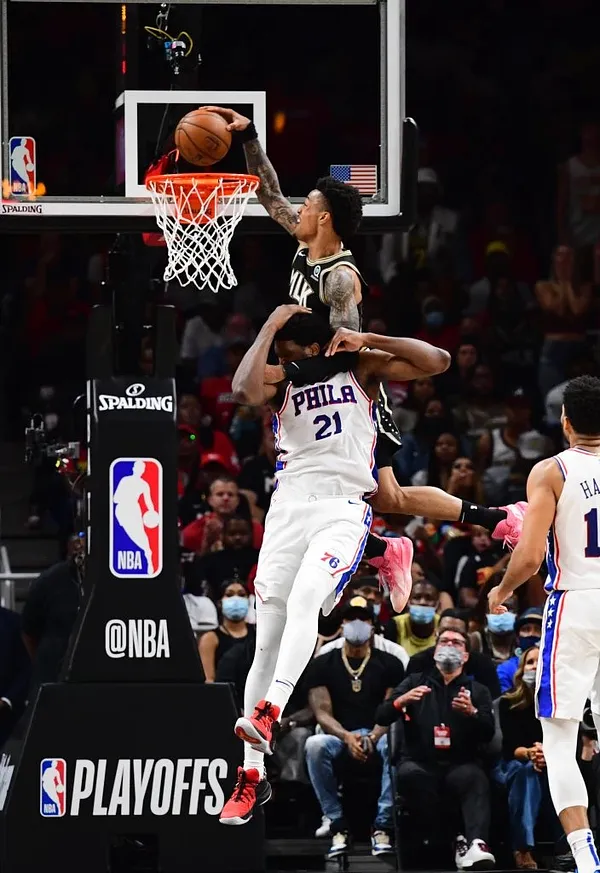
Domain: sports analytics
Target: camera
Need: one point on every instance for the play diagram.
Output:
(38, 448)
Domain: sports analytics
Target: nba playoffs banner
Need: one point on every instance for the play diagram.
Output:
(102, 761)
(134, 626)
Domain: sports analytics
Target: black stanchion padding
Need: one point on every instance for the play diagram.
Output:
(148, 762)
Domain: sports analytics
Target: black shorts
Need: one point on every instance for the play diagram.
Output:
(385, 450)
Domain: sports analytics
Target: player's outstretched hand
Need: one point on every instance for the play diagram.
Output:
(345, 340)
(234, 120)
(496, 599)
(282, 314)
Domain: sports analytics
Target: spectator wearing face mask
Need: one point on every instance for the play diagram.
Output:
(528, 630)
(447, 716)
(415, 630)
(523, 767)
(497, 639)
(232, 630)
(479, 666)
(346, 687)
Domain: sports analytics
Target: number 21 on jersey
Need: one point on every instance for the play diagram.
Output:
(329, 425)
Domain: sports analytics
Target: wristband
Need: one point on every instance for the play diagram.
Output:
(246, 135)
(309, 371)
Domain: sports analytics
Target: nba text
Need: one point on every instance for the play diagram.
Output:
(137, 638)
(321, 395)
(145, 787)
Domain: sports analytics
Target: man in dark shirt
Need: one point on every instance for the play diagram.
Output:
(346, 687)
(206, 574)
(447, 717)
(49, 616)
(479, 666)
(15, 669)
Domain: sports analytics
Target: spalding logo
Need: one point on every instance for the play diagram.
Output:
(134, 400)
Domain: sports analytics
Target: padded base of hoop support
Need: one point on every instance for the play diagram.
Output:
(147, 768)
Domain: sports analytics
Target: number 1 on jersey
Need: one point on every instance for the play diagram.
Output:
(592, 550)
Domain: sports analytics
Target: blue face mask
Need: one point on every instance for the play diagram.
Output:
(376, 609)
(235, 608)
(524, 643)
(357, 632)
(434, 319)
(421, 614)
(501, 624)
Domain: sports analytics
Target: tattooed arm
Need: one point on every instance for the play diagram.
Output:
(340, 293)
(269, 192)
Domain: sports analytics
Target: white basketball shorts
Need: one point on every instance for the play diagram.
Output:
(326, 532)
(569, 664)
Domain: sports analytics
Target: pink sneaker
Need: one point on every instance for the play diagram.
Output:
(394, 569)
(509, 529)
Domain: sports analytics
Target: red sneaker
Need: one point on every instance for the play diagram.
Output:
(250, 790)
(394, 569)
(260, 729)
(509, 529)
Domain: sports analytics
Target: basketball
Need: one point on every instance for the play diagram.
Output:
(151, 519)
(202, 138)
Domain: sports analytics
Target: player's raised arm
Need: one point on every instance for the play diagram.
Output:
(340, 294)
(394, 358)
(269, 191)
(544, 487)
(248, 384)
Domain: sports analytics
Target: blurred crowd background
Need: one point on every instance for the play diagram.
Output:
(502, 269)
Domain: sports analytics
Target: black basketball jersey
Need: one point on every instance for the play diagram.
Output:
(307, 282)
(307, 286)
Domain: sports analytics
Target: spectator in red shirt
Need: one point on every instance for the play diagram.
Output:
(215, 391)
(205, 534)
(435, 330)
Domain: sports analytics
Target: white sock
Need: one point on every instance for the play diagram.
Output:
(584, 850)
(253, 759)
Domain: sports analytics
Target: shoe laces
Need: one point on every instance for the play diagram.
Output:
(263, 713)
(243, 786)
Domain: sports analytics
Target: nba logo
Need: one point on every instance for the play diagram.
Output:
(53, 787)
(136, 518)
(22, 165)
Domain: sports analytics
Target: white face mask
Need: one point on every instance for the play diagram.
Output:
(529, 677)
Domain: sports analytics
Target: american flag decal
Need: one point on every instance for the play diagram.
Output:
(362, 176)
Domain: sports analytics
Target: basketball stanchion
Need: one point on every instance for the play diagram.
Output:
(126, 762)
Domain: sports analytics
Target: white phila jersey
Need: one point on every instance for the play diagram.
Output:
(573, 552)
(325, 436)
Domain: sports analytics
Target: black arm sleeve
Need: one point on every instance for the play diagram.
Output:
(308, 371)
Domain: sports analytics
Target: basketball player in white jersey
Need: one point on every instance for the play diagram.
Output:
(562, 521)
(318, 522)
(325, 278)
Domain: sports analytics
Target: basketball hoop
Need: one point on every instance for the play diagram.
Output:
(197, 214)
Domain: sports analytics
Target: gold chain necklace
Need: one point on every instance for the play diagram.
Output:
(356, 674)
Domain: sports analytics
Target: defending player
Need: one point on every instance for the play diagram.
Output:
(562, 521)
(325, 278)
(318, 523)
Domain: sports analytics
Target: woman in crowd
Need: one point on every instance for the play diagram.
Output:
(565, 300)
(523, 766)
(497, 637)
(417, 446)
(439, 468)
(233, 628)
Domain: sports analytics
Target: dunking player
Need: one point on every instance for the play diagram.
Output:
(318, 523)
(562, 520)
(326, 279)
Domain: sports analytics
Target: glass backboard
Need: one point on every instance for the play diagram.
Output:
(92, 91)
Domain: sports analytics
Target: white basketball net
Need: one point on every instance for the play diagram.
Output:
(197, 223)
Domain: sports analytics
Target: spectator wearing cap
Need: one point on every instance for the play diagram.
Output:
(236, 560)
(432, 236)
(346, 686)
(507, 453)
(447, 718)
(498, 265)
(415, 630)
(369, 588)
(528, 631)
(479, 666)
(205, 534)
